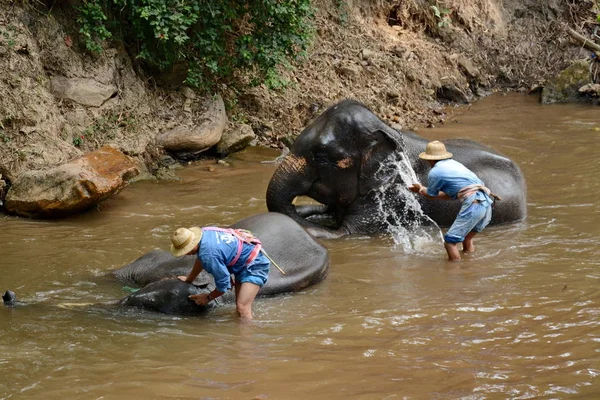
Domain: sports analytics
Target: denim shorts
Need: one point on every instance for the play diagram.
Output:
(472, 217)
(257, 272)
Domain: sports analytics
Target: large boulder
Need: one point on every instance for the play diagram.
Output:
(87, 92)
(235, 139)
(71, 187)
(194, 138)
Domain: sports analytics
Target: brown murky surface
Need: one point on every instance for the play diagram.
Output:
(519, 319)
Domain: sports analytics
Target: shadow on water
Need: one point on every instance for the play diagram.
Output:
(393, 319)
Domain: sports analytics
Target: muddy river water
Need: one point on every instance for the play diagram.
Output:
(519, 319)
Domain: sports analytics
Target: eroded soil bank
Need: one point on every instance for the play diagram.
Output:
(397, 57)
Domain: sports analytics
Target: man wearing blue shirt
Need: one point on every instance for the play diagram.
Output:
(223, 252)
(449, 180)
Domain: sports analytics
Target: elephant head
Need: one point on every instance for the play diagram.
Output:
(336, 160)
(167, 295)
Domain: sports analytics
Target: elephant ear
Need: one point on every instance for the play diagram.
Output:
(373, 172)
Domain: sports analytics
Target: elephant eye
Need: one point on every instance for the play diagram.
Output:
(329, 152)
(336, 158)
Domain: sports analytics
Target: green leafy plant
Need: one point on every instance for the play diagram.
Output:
(92, 22)
(342, 7)
(442, 15)
(78, 141)
(215, 39)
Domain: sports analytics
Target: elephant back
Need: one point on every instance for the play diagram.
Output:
(303, 260)
(156, 265)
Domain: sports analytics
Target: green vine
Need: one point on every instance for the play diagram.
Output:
(92, 22)
(215, 39)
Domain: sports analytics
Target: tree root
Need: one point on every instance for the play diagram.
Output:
(587, 43)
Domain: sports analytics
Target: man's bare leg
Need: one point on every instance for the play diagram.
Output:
(468, 246)
(452, 250)
(237, 287)
(243, 301)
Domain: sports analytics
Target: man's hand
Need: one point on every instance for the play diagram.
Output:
(183, 278)
(200, 299)
(415, 187)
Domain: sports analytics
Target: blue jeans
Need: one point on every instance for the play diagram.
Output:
(472, 217)
(257, 272)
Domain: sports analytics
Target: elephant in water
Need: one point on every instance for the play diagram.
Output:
(300, 262)
(358, 168)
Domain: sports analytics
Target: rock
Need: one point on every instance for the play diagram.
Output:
(452, 93)
(398, 50)
(2, 190)
(71, 187)
(592, 89)
(349, 70)
(467, 67)
(194, 139)
(87, 92)
(235, 139)
(166, 175)
(564, 88)
(367, 54)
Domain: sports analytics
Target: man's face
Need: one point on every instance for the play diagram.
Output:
(193, 251)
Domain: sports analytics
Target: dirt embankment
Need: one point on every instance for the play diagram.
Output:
(403, 59)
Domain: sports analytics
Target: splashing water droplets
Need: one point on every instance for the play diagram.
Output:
(400, 211)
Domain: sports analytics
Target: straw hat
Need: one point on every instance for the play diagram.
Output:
(184, 240)
(435, 151)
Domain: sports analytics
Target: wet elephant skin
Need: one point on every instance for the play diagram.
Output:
(302, 259)
(353, 163)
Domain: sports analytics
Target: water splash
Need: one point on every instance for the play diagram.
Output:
(400, 211)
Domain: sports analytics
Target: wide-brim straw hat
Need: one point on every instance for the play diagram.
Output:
(435, 151)
(183, 240)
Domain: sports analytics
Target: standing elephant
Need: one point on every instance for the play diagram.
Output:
(300, 262)
(355, 165)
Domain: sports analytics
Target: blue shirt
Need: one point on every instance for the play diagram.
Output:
(449, 176)
(216, 250)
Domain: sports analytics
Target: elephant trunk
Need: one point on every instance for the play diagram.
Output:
(9, 298)
(291, 179)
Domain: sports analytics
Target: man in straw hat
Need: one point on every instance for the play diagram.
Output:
(223, 252)
(448, 179)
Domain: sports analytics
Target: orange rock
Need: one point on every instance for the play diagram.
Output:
(71, 187)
